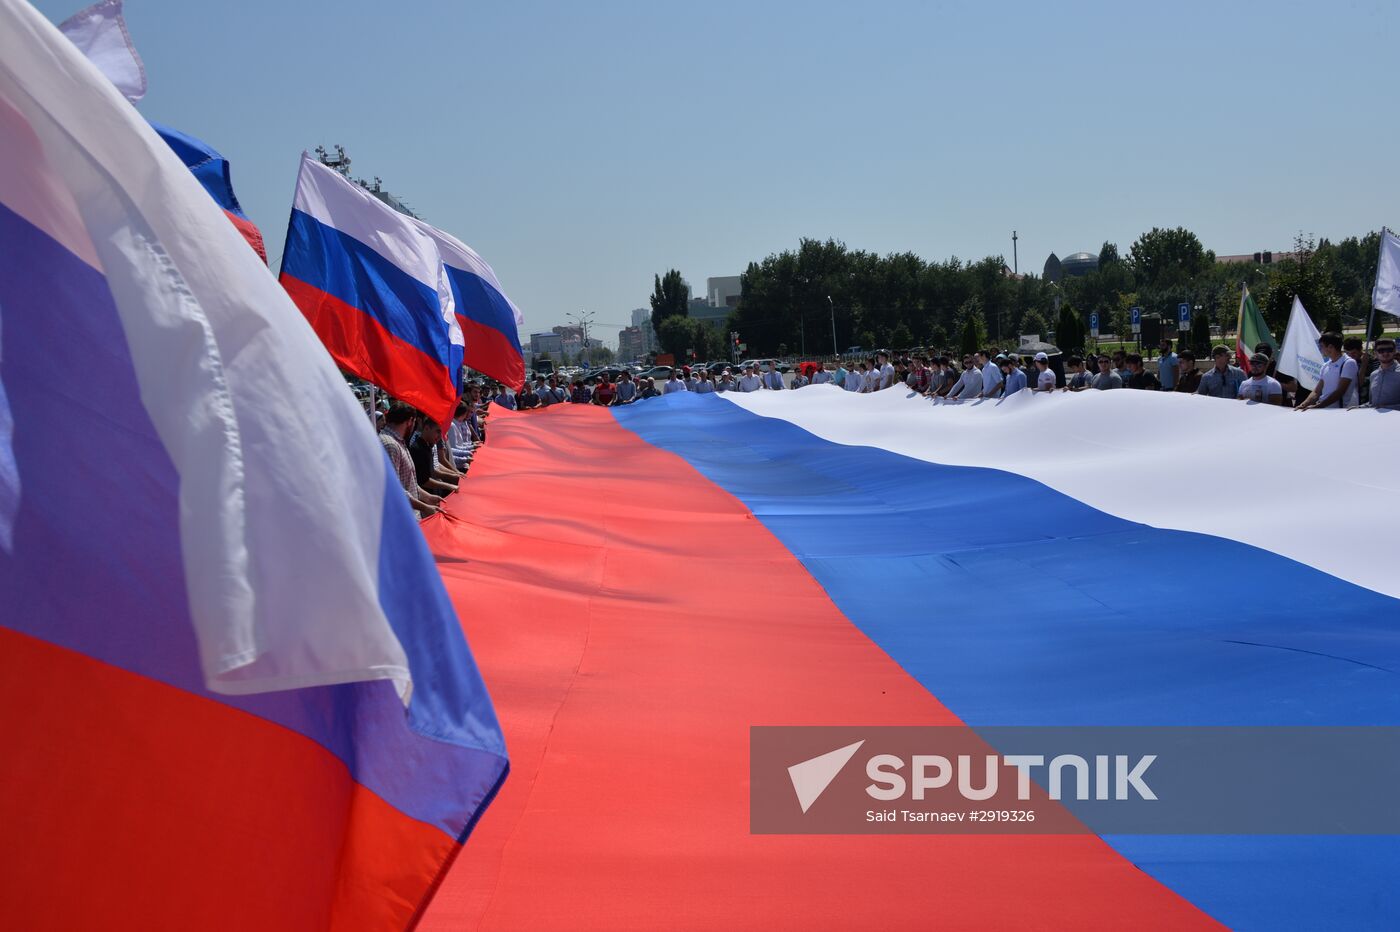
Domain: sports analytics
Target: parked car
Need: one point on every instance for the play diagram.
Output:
(660, 373)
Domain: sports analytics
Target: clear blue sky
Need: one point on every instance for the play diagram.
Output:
(583, 147)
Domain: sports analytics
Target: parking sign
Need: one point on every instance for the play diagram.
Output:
(1137, 319)
(1183, 317)
(1094, 325)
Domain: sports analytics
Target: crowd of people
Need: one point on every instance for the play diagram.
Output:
(1350, 377)
(431, 462)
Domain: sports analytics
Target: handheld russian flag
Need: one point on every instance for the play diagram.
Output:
(489, 320)
(236, 695)
(374, 289)
(212, 170)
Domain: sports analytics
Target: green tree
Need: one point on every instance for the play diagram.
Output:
(1069, 331)
(1108, 255)
(1308, 275)
(675, 335)
(938, 338)
(1166, 259)
(670, 297)
(1034, 323)
(707, 342)
(900, 337)
(600, 355)
(974, 328)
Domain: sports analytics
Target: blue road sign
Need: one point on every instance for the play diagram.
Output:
(1094, 324)
(1183, 316)
(1137, 319)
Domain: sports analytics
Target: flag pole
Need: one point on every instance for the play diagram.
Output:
(1371, 320)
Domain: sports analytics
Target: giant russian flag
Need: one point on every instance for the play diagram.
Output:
(373, 286)
(649, 582)
(235, 692)
(489, 320)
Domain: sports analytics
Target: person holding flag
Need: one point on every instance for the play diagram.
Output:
(1336, 384)
(1251, 330)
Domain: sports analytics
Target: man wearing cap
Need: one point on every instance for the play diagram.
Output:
(1044, 375)
(1223, 380)
(725, 382)
(1385, 376)
(991, 373)
(1260, 386)
(1107, 378)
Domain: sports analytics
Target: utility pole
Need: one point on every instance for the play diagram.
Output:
(583, 319)
(1015, 263)
(835, 350)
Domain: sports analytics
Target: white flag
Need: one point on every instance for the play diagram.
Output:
(1301, 357)
(1386, 295)
(100, 33)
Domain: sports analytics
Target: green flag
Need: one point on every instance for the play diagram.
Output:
(1251, 330)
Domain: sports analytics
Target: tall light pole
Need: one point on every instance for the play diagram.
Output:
(1015, 263)
(835, 350)
(582, 319)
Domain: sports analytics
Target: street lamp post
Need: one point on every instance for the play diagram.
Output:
(583, 319)
(835, 350)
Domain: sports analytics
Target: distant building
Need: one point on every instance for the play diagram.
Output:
(715, 316)
(1081, 263)
(550, 343)
(631, 344)
(723, 291)
(1267, 257)
(640, 316)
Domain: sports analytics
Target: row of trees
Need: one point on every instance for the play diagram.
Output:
(901, 300)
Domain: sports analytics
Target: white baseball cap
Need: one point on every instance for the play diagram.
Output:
(1041, 357)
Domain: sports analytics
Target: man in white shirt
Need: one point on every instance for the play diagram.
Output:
(749, 381)
(969, 384)
(821, 376)
(673, 384)
(855, 382)
(1336, 388)
(1045, 376)
(1260, 386)
(886, 371)
(773, 379)
(703, 385)
(991, 373)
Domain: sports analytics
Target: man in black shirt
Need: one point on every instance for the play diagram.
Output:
(1139, 377)
(423, 449)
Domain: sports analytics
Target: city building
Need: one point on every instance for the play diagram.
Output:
(723, 291)
(715, 316)
(1268, 257)
(550, 343)
(631, 344)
